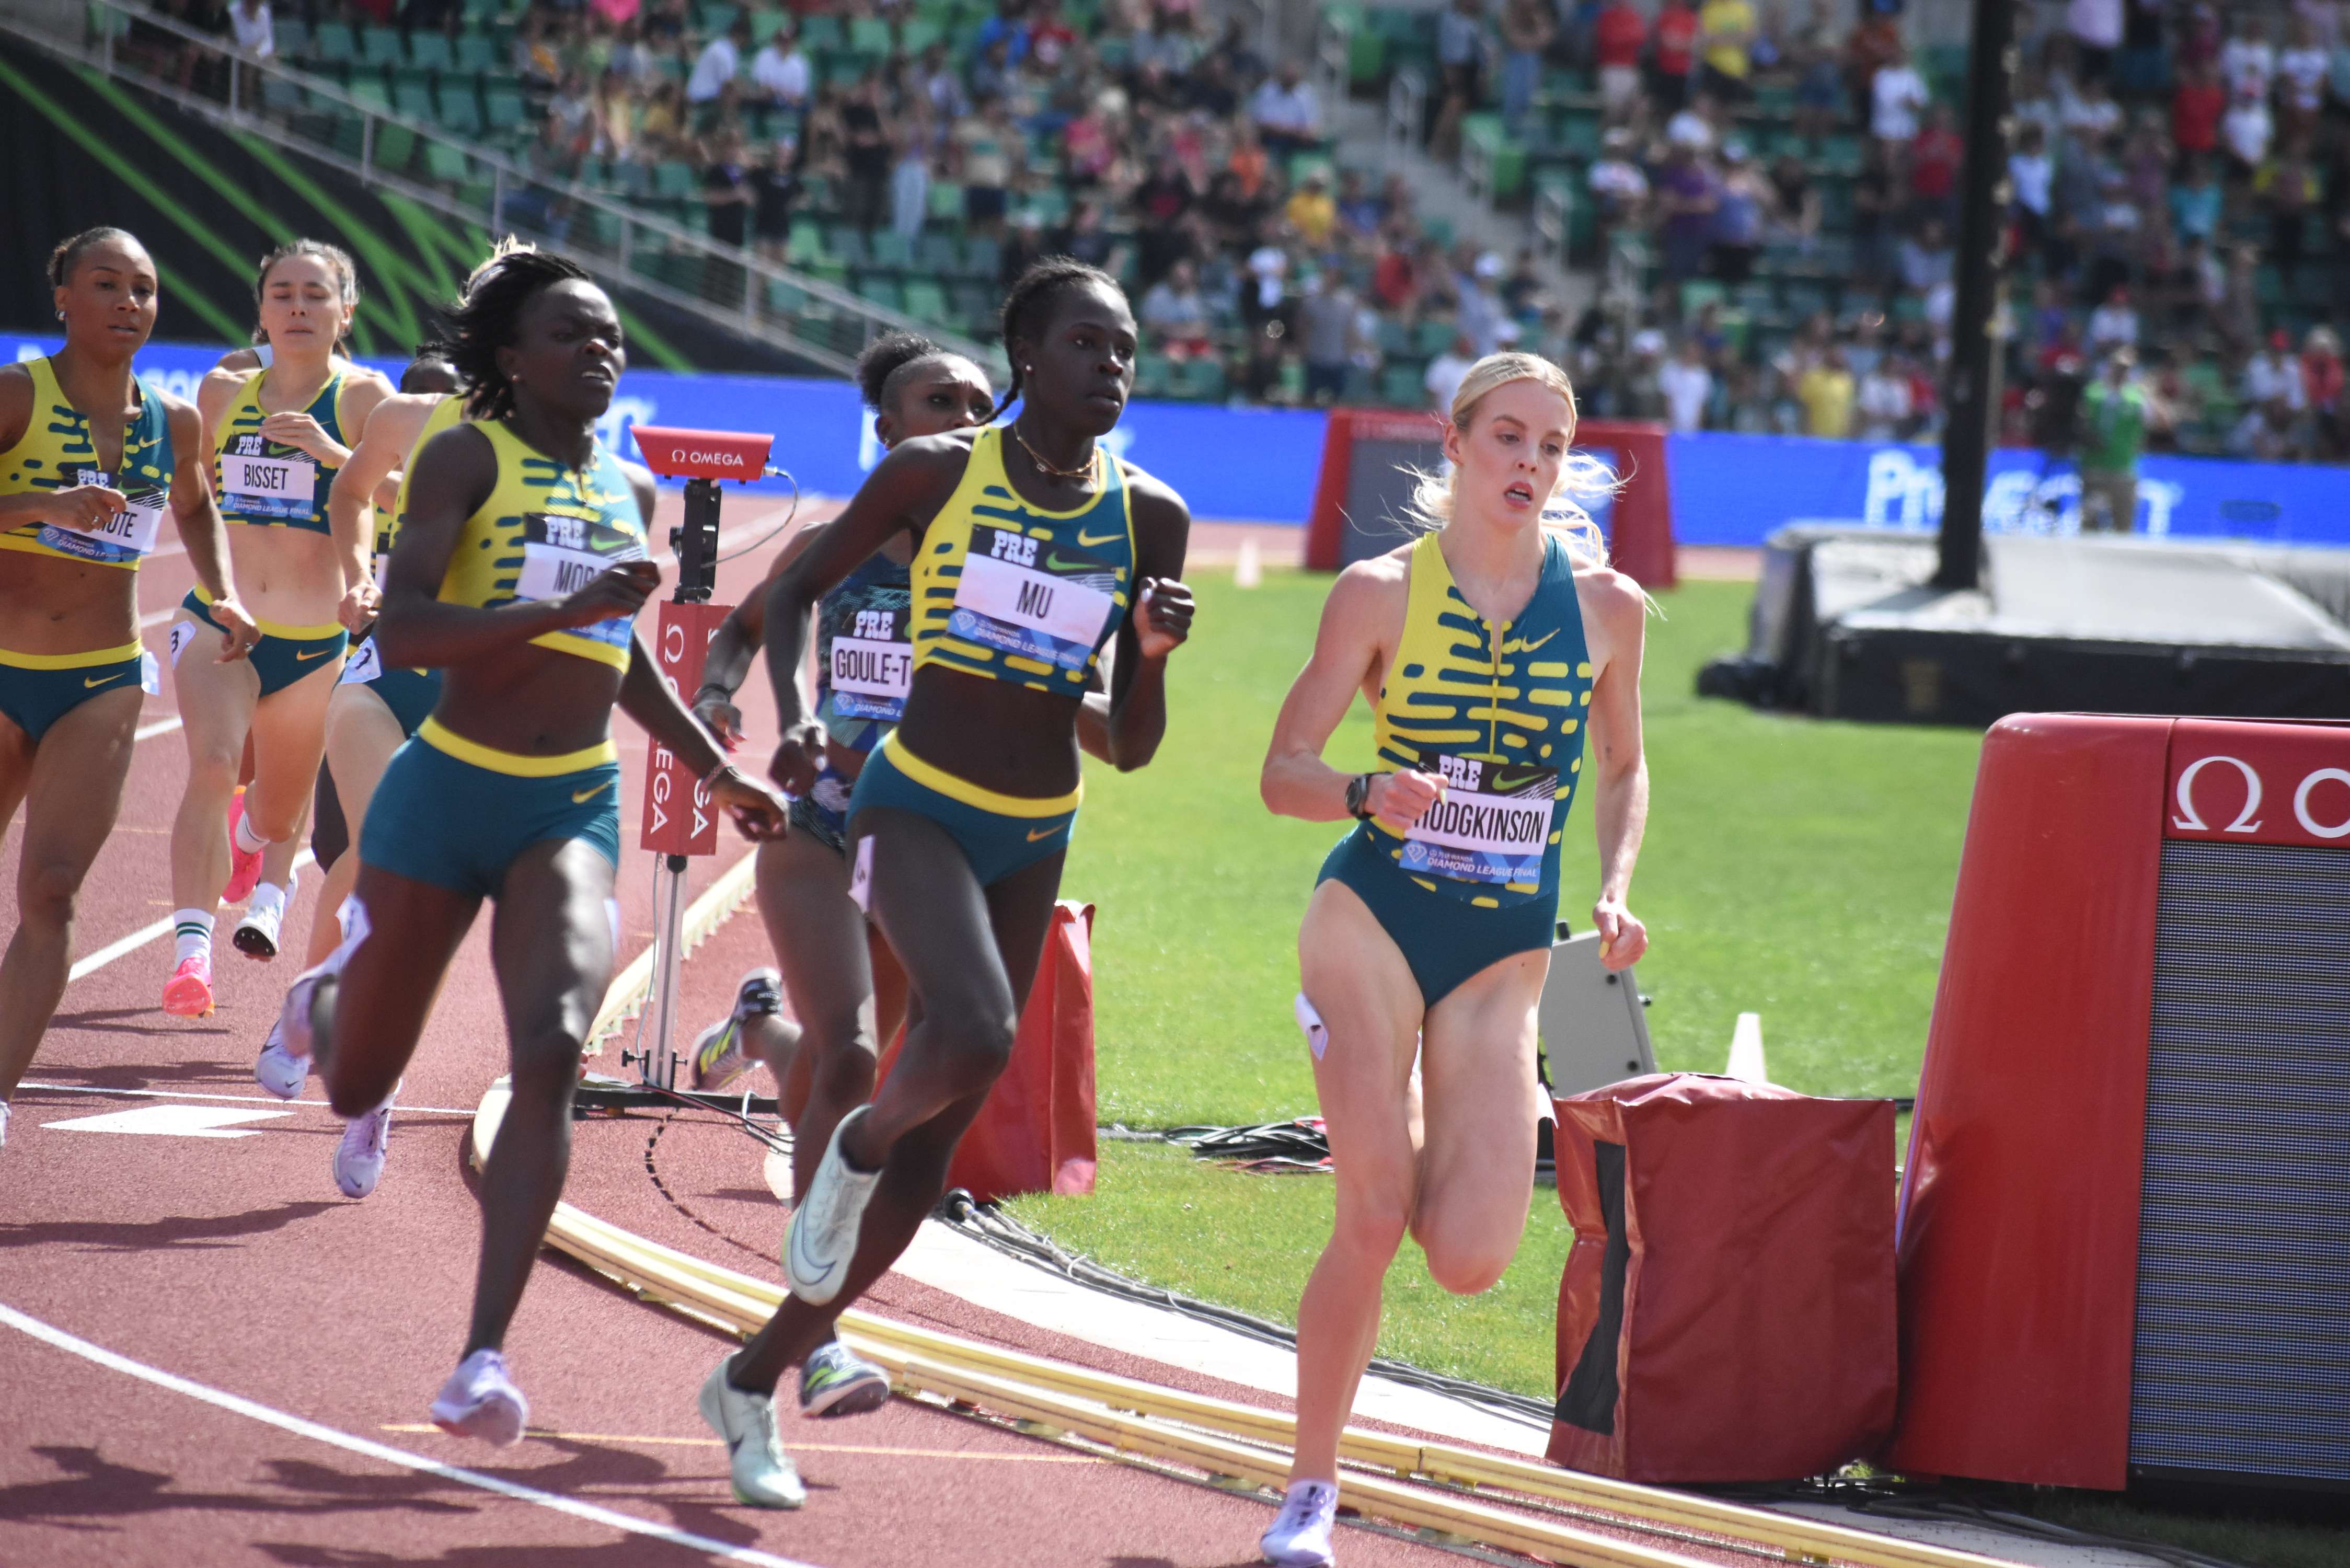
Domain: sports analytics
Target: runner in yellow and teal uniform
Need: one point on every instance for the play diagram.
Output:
(92, 459)
(275, 438)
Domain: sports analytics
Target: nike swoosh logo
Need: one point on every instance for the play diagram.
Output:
(1086, 538)
(87, 683)
(582, 796)
(805, 1263)
(1034, 833)
(302, 658)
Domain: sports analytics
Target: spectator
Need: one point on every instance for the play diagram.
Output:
(2286, 189)
(1445, 373)
(2096, 29)
(2115, 413)
(2197, 107)
(1050, 36)
(1522, 290)
(1361, 213)
(1934, 159)
(910, 183)
(1738, 212)
(1460, 64)
(1826, 391)
(1175, 315)
(2114, 324)
(2030, 174)
(1618, 34)
(572, 112)
(1897, 92)
(727, 194)
(1726, 35)
(866, 196)
(1288, 119)
(1311, 211)
(1687, 199)
(1089, 241)
(1478, 311)
(1876, 203)
(2247, 131)
(2301, 72)
(2269, 433)
(719, 63)
(1264, 296)
(1326, 321)
(943, 87)
(1820, 99)
(2090, 115)
(2322, 372)
(1619, 188)
(779, 72)
(775, 186)
(2195, 200)
(1794, 215)
(2272, 375)
(1675, 56)
(1527, 30)
(1688, 385)
(2248, 61)
(249, 21)
(986, 145)
(1881, 406)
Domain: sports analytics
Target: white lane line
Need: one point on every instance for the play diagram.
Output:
(384, 1453)
(234, 1099)
(145, 934)
(160, 727)
(170, 1121)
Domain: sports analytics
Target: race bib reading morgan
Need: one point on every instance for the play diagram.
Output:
(1026, 596)
(562, 555)
(256, 485)
(126, 535)
(872, 666)
(1492, 825)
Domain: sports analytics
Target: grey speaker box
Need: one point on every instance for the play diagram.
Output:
(1591, 1021)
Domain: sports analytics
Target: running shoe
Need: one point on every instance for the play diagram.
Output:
(718, 1059)
(294, 1032)
(367, 1140)
(278, 1070)
(4, 1124)
(256, 935)
(243, 867)
(1299, 1536)
(189, 992)
(836, 1381)
(480, 1400)
(822, 1239)
(763, 1474)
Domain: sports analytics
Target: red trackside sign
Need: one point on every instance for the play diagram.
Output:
(2237, 783)
(677, 815)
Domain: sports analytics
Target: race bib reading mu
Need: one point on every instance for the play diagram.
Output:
(1026, 596)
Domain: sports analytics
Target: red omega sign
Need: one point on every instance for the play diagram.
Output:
(2259, 784)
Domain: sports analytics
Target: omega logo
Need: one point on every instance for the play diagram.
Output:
(2189, 820)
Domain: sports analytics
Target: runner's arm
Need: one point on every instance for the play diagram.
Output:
(1617, 770)
(1155, 624)
(78, 506)
(737, 641)
(198, 520)
(377, 456)
(1367, 598)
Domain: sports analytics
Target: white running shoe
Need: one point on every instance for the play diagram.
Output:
(824, 1230)
(367, 1140)
(481, 1401)
(836, 1381)
(1299, 1536)
(256, 935)
(763, 1474)
(278, 1070)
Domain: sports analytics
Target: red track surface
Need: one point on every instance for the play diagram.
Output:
(234, 1263)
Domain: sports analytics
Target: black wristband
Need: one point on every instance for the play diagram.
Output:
(1359, 797)
(709, 686)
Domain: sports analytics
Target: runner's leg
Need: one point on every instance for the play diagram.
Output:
(216, 709)
(551, 942)
(818, 935)
(71, 786)
(361, 735)
(289, 738)
(1482, 1100)
(373, 1013)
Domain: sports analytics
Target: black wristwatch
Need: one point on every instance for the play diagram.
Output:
(1359, 797)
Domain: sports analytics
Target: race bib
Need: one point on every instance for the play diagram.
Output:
(872, 670)
(151, 674)
(184, 632)
(363, 666)
(254, 485)
(126, 535)
(1492, 825)
(1030, 597)
(562, 555)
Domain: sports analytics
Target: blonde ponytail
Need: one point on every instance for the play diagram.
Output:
(1581, 477)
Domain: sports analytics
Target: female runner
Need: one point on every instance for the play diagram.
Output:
(276, 436)
(372, 709)
(91, 457)
(1033, 548)
(1485, 649)
(846, 988)
(519, 570)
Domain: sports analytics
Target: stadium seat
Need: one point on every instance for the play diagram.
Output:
(432, 52)
(1401, 385)
(847, 245)
(414, 99)
(293, 38)
(821, 32)
(477, 52)
(673, 178)
(890, 251)
(883, 291)
(381, 46)
(335, 43)
(981, 257)
(926, 301)
(461, 112)
(504, 110)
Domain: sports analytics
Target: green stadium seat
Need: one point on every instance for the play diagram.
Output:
(926, 301)
(432, 52)
(461, 112)
(478, 52)
(413, 100)
(1200, 380)
(945, 203)
(806, 246)
(1395, 336)
(716, 16)
(871, 35)
(915, 35)
(1153, 376)
(981, 257)
(395, 147)
(381, 46)
(1402, 386)
(936, 255)
(369, 92)
(672, 179)
(446, 164)
(293, 38)
(881, 291)
(281, 95)
(335, 43)
(1432, 337)
(817, 33)
(975, 307)
(765, 24)
(504, 110)
(891, 250)
(787, 298)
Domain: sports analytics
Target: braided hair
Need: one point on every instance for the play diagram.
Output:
(1029, 306)
(68, 251)
(884, 357)
(483, 321)
(339, 262)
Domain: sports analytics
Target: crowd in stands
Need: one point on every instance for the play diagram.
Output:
(1785, 187)
(1771, 187)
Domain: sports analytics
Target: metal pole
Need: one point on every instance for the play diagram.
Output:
(498, 200)
(367, 147)
(1966, 439)
(660, 1061)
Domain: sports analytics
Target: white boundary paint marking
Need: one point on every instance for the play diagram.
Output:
(145, 934)
(384, 1453)
(160, 727)
(233, 1099)
(170, 1121)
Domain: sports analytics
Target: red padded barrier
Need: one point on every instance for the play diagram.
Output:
(2020, 1212)
(1727, 1313)
(1035, 1134)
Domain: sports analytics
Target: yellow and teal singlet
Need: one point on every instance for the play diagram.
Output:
(264, 483)
(57, 452)
(544, 533)
(1498, 712)
(1011, 592)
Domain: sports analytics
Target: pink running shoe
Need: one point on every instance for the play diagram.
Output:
(243, 868)
(189, 992)
(480, 1400)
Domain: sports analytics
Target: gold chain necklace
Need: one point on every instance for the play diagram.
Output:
(1085, 473)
